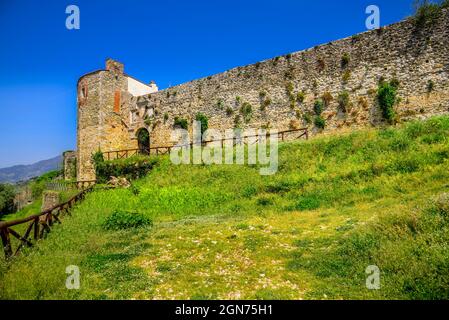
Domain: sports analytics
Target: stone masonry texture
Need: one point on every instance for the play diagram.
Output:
(280, 92)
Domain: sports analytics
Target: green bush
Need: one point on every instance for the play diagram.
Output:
(131, 168)
(204, 121)
(307, 118)
(320, 122)
(229, 111)
(122, 220)
(7, 194)
(181, 123)
(386, 95)
(307, 203)
(318, 107)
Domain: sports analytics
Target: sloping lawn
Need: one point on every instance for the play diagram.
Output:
(337, 205)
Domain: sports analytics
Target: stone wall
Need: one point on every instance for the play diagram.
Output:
(69, 165)
(417, 57)
(400, 51)
(50, 199)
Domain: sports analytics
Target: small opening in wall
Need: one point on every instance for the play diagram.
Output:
(84, 92)
(427, 61)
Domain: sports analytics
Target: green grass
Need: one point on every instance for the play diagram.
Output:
(337, 205)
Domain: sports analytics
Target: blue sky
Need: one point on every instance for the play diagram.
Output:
(170, 42)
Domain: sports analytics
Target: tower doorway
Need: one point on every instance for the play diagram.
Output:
(143, 139)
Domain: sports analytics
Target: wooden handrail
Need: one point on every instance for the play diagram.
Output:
(157, 148)
(40, 224)
(7, 224)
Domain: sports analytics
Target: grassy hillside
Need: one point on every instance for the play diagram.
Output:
(336, 206)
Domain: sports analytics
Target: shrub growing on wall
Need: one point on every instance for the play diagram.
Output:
(300, 97)
(246, 111)
(229, 111)
(318, 107)
(320, 122)
(204, 121)
(181, 123)
(386, 95)
(343, 101)
(345, 60)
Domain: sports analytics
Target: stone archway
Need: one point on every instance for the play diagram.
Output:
(143, 140)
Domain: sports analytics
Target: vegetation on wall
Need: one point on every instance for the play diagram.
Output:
(246, 110)
(343, 101)
(318, 107)
(202, 118)
(307, 118)
(238, 100)
(430, 86)
(300, 97)
(320, 122)
(346, 76)
(427, 11)
(181, 123)
(220, 104)
(387, 97)
(345, 60)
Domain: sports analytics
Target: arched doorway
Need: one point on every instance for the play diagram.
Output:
(143, 139)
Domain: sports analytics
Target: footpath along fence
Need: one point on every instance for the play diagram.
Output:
(37, 226)
(161, 150)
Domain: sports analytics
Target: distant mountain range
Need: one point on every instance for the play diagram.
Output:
(25, 172)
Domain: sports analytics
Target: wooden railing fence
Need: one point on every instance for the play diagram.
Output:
(161, 150)
(38, 225)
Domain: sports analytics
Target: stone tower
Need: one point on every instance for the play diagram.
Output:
(104, 114)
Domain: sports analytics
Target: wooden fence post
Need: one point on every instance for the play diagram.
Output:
(6, 242)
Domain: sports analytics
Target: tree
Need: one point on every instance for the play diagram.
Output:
(7, 194)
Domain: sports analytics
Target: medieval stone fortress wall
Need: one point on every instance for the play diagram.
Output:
(278, 93)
